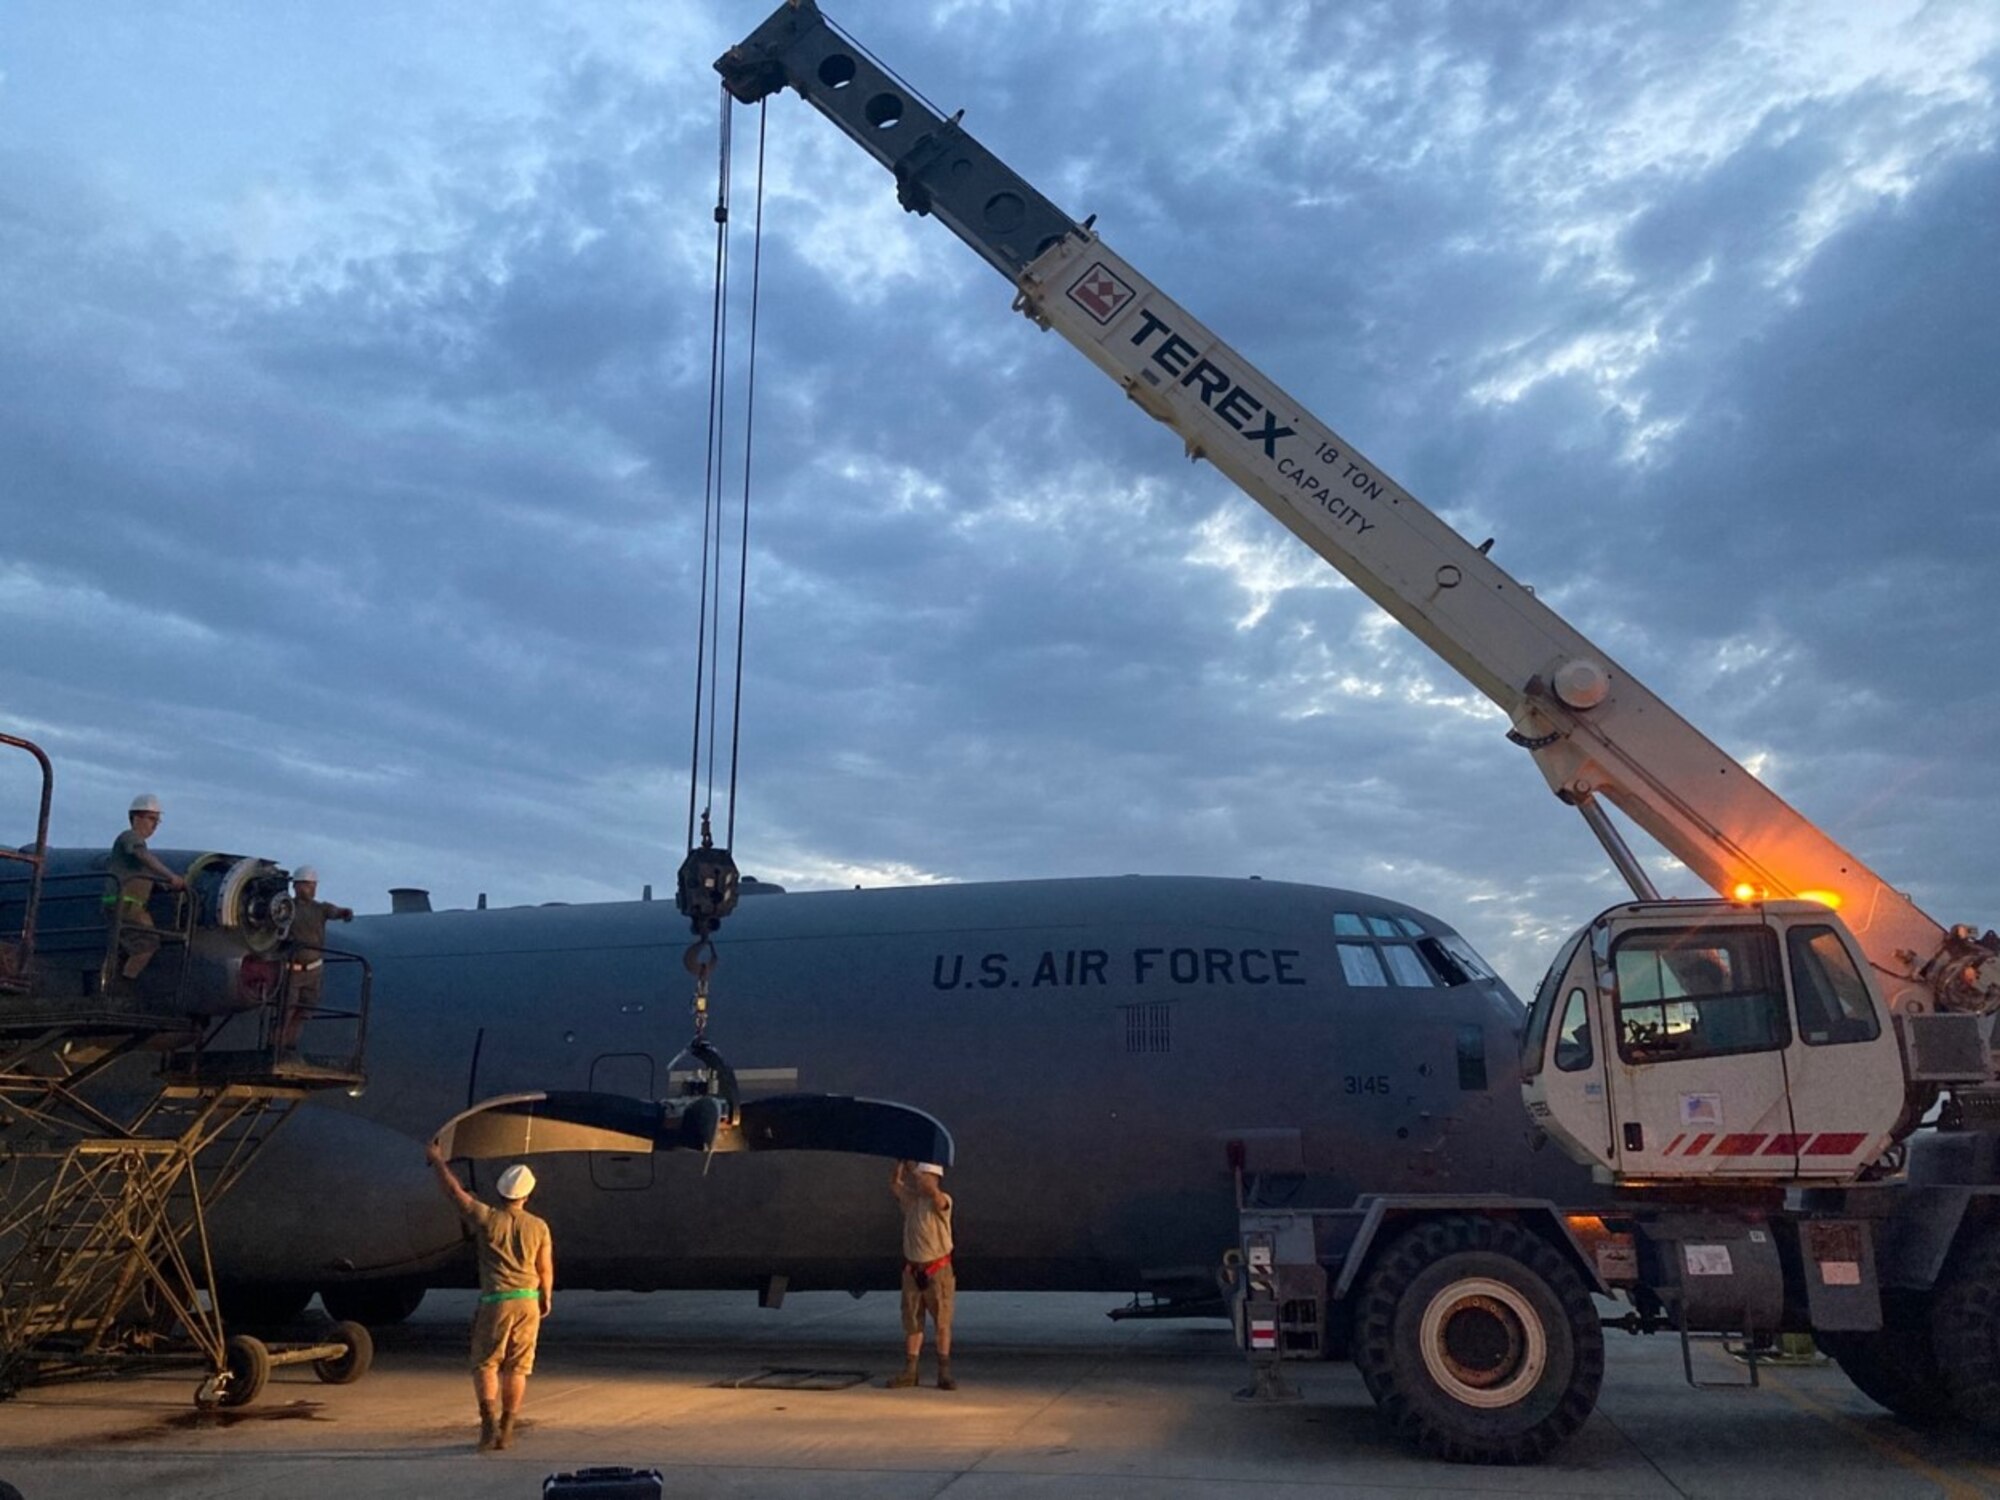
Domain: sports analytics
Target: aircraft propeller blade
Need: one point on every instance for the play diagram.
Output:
(526, 1124)
(836, 1122)
(511, 1125)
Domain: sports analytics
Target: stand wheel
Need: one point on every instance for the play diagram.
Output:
(345, 1369)
(249, 1365)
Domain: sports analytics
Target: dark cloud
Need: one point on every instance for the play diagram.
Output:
(357, 507)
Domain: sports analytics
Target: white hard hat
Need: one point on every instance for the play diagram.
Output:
(517, 1181)
(306, 874)
(147, 803)
(931, 1167)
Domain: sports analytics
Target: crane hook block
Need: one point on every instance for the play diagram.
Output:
(707, 888)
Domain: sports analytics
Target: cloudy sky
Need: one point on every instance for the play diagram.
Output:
(353, 398)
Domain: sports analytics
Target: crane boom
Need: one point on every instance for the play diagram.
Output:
(1593, 728)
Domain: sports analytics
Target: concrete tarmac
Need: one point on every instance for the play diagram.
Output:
(1055, 1401)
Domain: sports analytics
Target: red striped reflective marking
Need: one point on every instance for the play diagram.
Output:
(1835, 1143)
(1739, 1145)
(1698, 1145)
(1673, 1143)
(1785, 1145)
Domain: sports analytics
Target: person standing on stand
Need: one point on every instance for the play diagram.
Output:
(133, 870)
(307, 979)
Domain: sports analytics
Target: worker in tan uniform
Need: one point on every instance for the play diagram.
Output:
(928, 1283)
(517, 1278)
(307, 979)
(132, 871)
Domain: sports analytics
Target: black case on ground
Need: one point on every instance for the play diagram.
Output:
(605, 1482)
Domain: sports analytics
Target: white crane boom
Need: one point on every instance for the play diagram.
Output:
(1593, 728)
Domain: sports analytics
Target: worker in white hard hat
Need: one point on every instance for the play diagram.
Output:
(517, 1279)
(133, 871)
(929, 1284)
(305, 979)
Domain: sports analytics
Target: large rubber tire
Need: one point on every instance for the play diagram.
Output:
(1965, 1331)
(1479, 1341)
(249, 1369)
(1897, 1366)
(376, 1304)
(345, 1369)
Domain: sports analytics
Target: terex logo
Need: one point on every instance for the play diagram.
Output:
(1219, 390)
(1099, 293)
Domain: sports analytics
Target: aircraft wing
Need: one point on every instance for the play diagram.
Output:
(512, 1125)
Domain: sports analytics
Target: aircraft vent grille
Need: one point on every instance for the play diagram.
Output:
(1149, 1027)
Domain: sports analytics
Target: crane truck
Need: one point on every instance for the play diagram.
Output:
(1785, 1091)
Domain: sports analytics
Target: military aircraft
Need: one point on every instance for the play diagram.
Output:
(1109, 1054)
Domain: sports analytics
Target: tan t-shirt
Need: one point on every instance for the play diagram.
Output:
(309, 916)
(509, 1242)
(926, 1226)
(128, 872)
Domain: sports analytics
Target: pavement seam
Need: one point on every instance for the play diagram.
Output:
(1633, 1444)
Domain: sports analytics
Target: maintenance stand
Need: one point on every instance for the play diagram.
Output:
(129, 1107)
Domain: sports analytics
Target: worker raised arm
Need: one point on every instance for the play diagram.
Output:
(453, 1188)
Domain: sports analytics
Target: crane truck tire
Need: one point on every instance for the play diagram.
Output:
(1897, 1366)
(1965, 1331)
(1479, 1341)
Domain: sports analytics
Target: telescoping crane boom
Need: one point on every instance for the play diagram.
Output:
(1788, 1035)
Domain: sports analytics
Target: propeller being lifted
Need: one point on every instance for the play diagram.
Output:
(511, 1125)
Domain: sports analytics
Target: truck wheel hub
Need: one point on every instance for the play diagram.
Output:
(1483, 1343)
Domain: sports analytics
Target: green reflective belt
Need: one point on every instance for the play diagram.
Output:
(526, 1291)
(113, 900)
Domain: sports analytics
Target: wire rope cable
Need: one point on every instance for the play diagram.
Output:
(708, 708)
(711, 541)
(749, 447)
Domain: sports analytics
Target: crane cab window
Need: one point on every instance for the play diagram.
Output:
(1706, 993)
(1541, 1015)
(1574, 1051)
(1831, 996)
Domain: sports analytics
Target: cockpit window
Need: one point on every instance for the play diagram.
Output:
(1407, 968)
(1361, 965)
(1379, 949)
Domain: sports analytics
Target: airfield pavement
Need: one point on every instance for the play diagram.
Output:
(1056, 1400)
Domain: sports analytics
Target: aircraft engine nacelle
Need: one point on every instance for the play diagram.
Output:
(218, 938)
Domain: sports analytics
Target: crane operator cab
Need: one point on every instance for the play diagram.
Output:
(1707, 1039)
